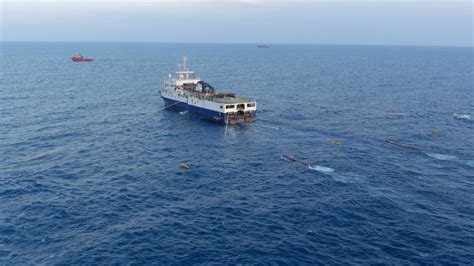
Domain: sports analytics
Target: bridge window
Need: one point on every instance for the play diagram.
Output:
(229, 106)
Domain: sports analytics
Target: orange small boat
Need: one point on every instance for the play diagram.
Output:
(80, 58)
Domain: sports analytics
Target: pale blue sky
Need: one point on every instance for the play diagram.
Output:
(246, 21)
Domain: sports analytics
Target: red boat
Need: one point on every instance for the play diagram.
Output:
(80, 58)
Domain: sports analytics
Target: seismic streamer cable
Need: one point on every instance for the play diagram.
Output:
(370, 110)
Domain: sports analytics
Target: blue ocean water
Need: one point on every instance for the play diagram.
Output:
(89, 163)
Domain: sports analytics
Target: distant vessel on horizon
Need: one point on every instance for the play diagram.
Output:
(187, 93)
(80, 58)
(263, 46)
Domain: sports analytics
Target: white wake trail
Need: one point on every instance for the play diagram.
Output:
(321, 169)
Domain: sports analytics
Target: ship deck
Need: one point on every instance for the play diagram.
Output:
(237, 99)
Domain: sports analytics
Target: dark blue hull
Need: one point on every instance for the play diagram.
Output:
(208, 114)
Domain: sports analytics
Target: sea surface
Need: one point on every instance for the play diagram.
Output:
(90, 162)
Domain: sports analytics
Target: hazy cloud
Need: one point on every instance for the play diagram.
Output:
(242, 21)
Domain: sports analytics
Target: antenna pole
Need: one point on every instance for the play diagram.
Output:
(184, 66)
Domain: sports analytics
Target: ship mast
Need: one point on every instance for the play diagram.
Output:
(184, 60)
(184, 67)
(183, 71)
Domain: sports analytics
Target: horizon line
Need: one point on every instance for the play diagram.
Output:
(242, 43)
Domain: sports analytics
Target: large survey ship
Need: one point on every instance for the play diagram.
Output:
(186, 92)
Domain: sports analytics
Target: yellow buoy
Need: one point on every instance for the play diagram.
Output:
(336, 142)
(185, 166)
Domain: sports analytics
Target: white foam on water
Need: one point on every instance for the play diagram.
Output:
(321, 169)
(346, 178)
(462, 116)
(271, 127)
(443, 157)
(183, 112)
(469, 162)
